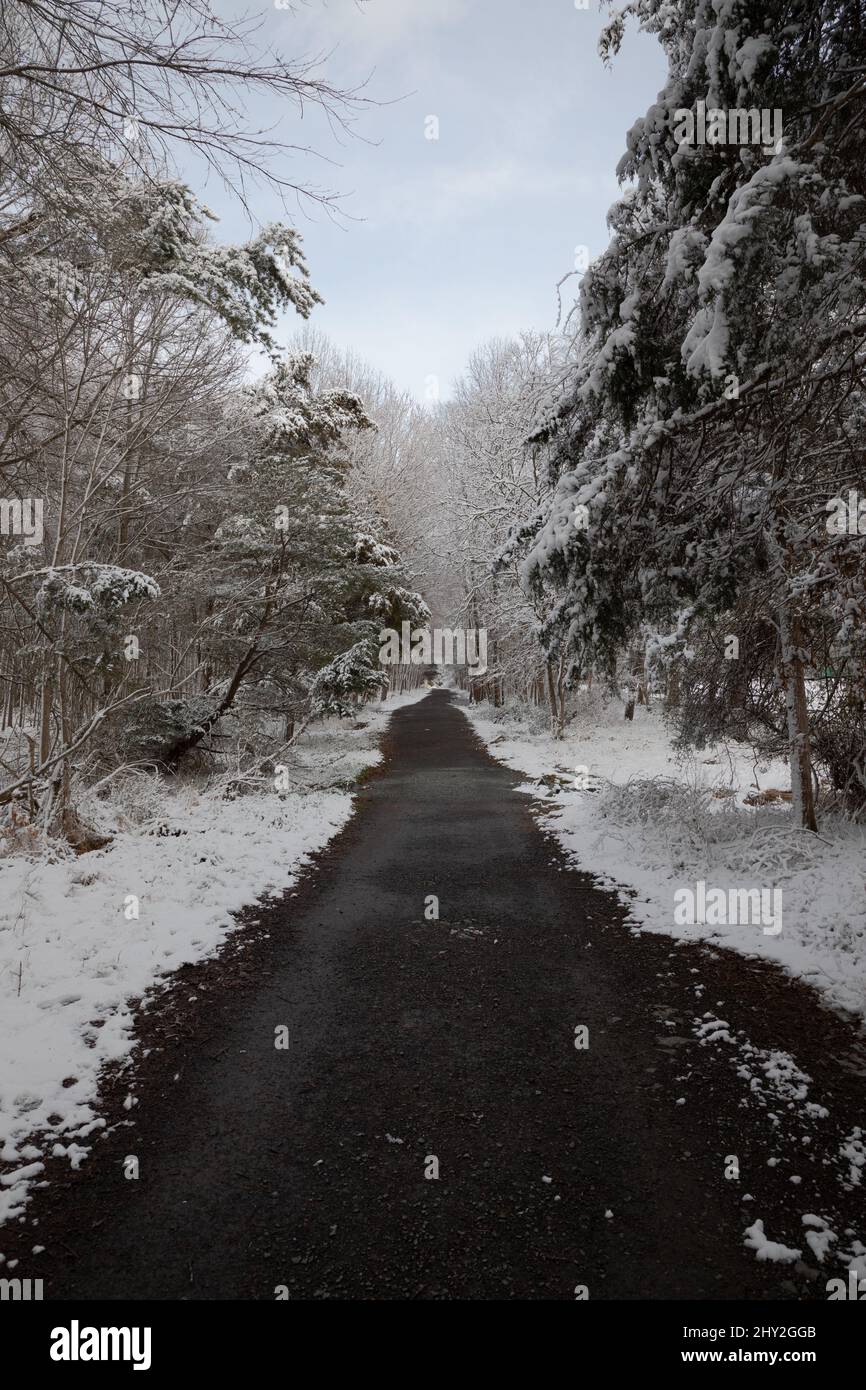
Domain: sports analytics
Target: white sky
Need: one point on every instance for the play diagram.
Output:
(463, 238)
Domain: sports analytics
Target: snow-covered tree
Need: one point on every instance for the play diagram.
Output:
(718, 411)
(148, 593)
(490, 471)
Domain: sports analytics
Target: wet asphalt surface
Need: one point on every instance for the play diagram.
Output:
(418, 1044)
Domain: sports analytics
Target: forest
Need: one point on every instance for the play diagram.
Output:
(660, 494)
(637, 532)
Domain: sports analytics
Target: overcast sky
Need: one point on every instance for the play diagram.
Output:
(461, 238)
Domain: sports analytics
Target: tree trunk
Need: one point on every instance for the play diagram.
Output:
(560, 690)
(637, 668)
(794, 684)
(672, 693)
(554, 707)
(9, 705)
(181, 746)
(45, 720)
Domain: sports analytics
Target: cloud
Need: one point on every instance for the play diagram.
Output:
(378, 25)
(458, 193)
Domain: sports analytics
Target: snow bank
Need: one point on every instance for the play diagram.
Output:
(73, 954)
(649, 823)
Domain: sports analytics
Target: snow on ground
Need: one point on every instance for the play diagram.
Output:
(73, 954)
(648, 823)
(651, 823)
(779, 1093)
(766, 1249)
